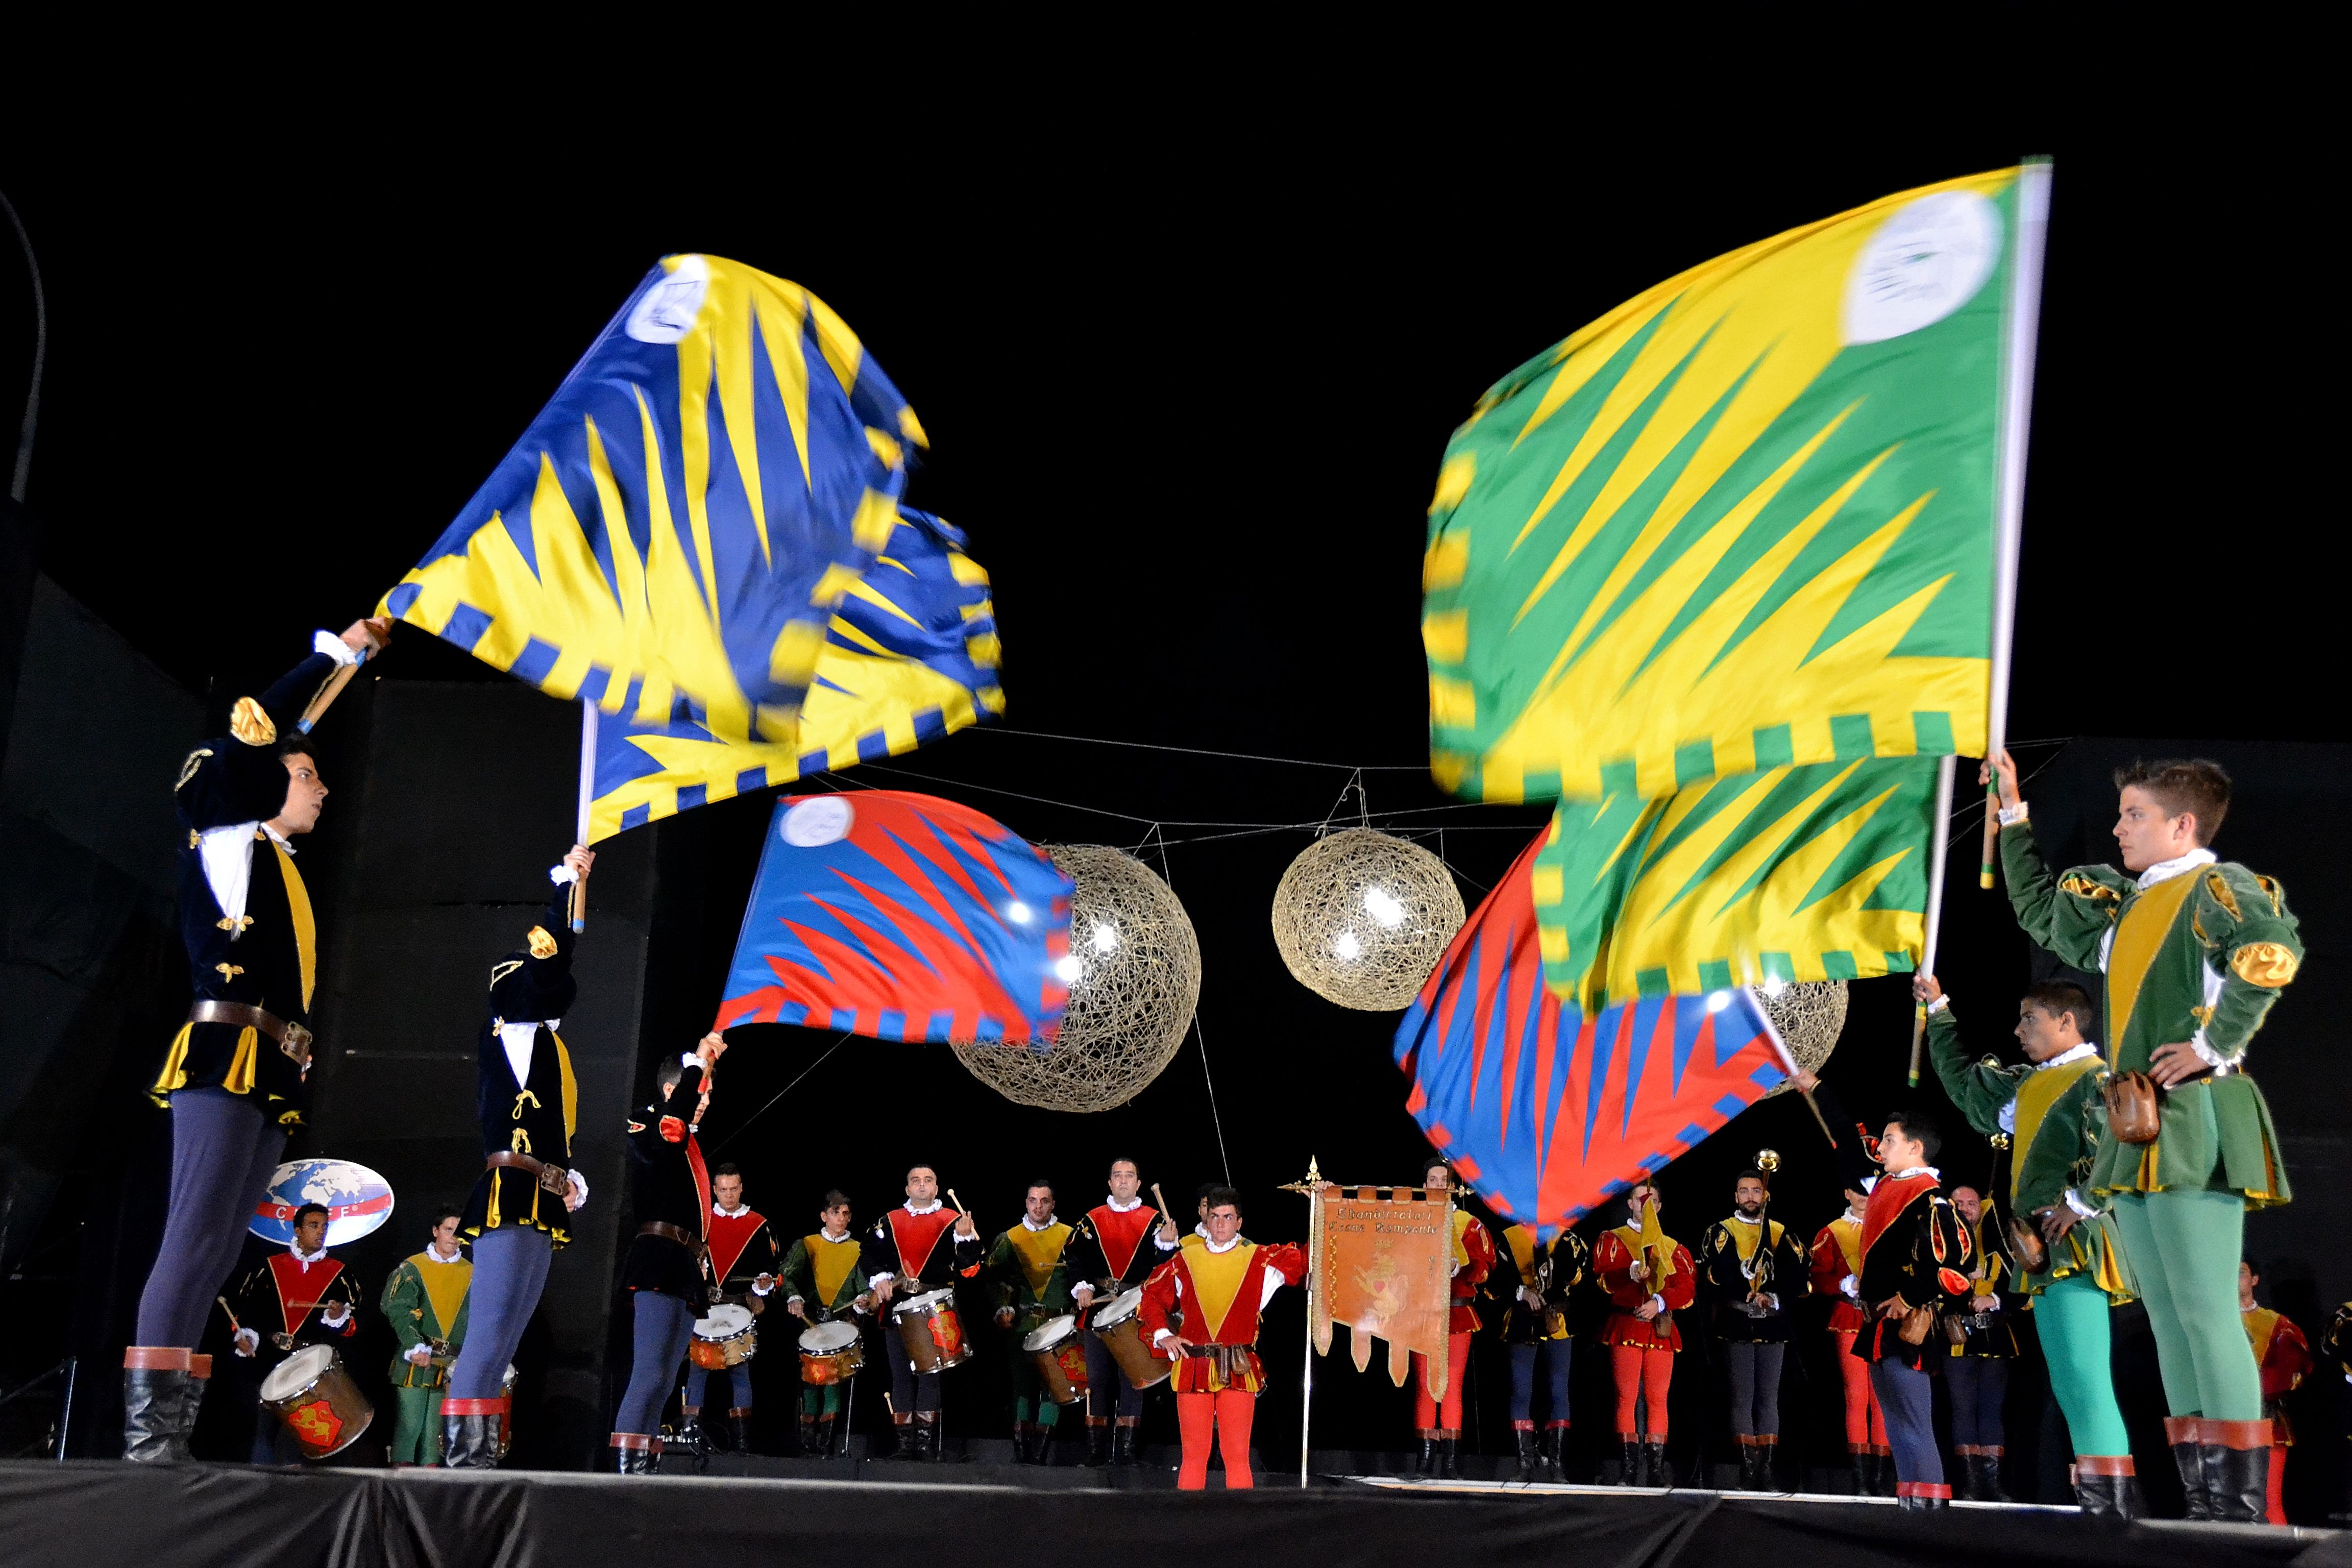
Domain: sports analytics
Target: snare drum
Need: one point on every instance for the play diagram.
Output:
(830, 1354)
(931, 1330)
(1119, 1326)
(724, 1339)
(317, 1399)
(1061, 1359)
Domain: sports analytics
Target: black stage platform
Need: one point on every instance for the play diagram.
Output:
(96, 1513)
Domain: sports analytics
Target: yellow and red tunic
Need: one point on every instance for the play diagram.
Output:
(1221, 1294)
(1474, 1260)
(2285, 1357)
(1612, 1263)
(1837, 1252)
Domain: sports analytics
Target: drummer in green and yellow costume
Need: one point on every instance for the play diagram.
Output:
(824, 1283)
(1030, 1284)
(2195, 952)
(2050, 1109)
(425, 1302)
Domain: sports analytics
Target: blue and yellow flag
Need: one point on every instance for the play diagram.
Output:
(1744, 521)
(909, 655)
(673, 533)
(1800, 873)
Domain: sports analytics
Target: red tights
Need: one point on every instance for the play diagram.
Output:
(1428, 1416)
(1866, 1422)
(1227, 1414)
(1642, 1376)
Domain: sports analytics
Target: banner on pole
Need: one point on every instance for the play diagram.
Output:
(1382, 1265)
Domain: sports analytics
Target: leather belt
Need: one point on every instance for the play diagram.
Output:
(1230, 1359)
(292, 1039)
(553, 1178)
(677, 1233)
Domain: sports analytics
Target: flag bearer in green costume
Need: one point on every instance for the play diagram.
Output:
(1031, 1284)
(425, 1302)
(824, 1283)
(2195, 951)
(2051, 1111)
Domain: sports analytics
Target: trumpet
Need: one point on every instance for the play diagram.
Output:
(1760, 1281)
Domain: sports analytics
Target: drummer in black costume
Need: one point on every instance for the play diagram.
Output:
(1110, 1255)
(903, 1258)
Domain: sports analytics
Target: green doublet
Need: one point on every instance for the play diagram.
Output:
(2055, 1135)
(2220, 922)
(426, 1298)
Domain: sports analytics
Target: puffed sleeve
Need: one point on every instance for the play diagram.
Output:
(2246, 926)
(2068, 915)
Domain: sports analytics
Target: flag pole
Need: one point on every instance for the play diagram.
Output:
(587, 791)
(1311, 1188)
(1937, 848)
(2022, 331)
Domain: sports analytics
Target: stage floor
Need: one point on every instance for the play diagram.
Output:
(92, 1514)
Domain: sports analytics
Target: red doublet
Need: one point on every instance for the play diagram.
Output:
(1121, 1234)
(302, 1287)
(1172, 1287)
(729, 1234)
(1479, 1242)
(915, 1236)
(1612, 1262)
(1831, 1266)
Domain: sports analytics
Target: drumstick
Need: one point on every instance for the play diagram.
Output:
(1161, 1201)
(957, 1201)
(233, 1326)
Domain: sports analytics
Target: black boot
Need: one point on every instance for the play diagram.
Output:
(1553, 1437)
(926, 1436)
(1097, 1445)
(2105, 1487)
(1864, 1462)
(1884, 1470)
(690, 1437)
(1445, 1459)
(1041, 1444)
(159, 1406)
(1914, 1502)
(1021, 1444)
(1751, 1455)
(635, 1454)
(2183, 1433)
(1629, 1463)
(809, 1449)
(826, 1427)
(739, 1429)
(1528, 1463)
(1988, 1483)
(902, 1441)
(2237, 1456)
(470, 1441)
(1655, 1471)
(1123, 1452)
(1425, 1462)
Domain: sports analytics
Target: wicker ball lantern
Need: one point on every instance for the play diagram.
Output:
(1134, 974)
(1810, 1014)
(1361, 918)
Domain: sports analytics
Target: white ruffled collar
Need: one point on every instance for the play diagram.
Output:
(2164, 870)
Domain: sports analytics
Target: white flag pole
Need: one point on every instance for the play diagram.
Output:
(1940, 826)
(587, 792)
(2023, 326)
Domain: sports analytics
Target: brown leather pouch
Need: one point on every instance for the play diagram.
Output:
(2132, 1109)
(2025, 1240)
(1917, 1325)
(1956, 1328)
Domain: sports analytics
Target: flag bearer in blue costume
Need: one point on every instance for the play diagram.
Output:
(527, 1104)
(824, 1281)
(1114, 1248)
(233, 1077)
(1539, 1279)
(425, 1302)
(1914, 1263)
(669, 1191)
(2051, 1110)
(2195, 952)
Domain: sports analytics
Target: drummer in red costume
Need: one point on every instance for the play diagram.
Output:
(1221, 1286)
(1649, 1278)
(298, 1297)
(740, 1266)
(903, 1257)
(1440, 1424)
(1114, 1248)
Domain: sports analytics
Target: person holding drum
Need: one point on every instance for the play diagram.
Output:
(1220, 1287)
(903, 1258)
(520, 1210)
(741, 1268)
(298, 1297)
(824, 1275)
(1109, 1262)
(1031, 1287)
(670, 1189)
(425, 1302)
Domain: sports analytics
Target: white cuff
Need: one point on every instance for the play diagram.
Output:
(1163, 1245)
(2010, 815)
(1849, 1286)
(1938, 1005)
(875, 1281)
(562, 876)
(1161, 1335)
(2079, 1207)
(334, 648)
(795, 1296)
(2205, 1053)
(573, 1171)
(1659, 1302)
(757, 1291)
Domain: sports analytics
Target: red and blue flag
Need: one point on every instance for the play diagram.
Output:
(1548, 1112)
(902, 917)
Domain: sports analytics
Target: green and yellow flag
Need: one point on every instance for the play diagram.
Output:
(1797, 873)
(1744, 521)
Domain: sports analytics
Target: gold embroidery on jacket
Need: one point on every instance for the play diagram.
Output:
(188, 771)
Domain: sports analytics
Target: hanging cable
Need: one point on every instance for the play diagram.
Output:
(838, 1041)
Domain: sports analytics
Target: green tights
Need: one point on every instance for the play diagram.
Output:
(821, 1399)
(2183, 1250)
(2071, 1316)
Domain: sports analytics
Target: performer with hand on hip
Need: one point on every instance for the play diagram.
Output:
(1753, 1273)
(233, 1077)
(298, 1297)
(903, 1257)
(670, 1189)
(1914, 1263)
(742, 1270)
(2195, 952)
(1221, 1286)
(824, 1281)
(424, 1300)
(527, 1105)
(1115, 1247)
(1648, 1278)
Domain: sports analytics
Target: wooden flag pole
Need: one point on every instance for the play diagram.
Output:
(587, 793)
(330, 689)
(1935, 855)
